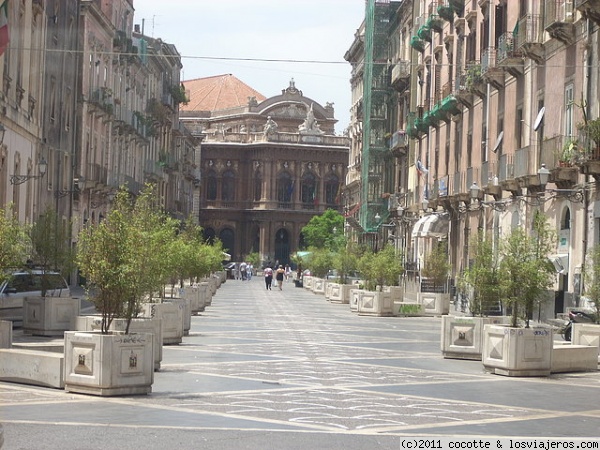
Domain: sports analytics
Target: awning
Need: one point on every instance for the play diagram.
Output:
(431, 226)
(560, 262)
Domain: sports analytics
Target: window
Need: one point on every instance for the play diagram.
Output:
(569, 110)
(285, 187)
(332, 189)
(309, 188)
(228, 186)
(211, 185)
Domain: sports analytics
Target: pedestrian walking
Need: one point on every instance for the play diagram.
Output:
(279, 276)
(243, 268)
(250, 272)
(288, 272)
(268, 277)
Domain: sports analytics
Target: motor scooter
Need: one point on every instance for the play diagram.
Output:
(575, 316)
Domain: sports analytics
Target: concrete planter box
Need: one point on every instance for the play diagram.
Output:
(32, 366)
(6, 333)
(307, 282)
(517, 352)
(186, 314)
(318, 285)
(150, 325)
(354, 297)
(108, 364)
(587, 334)
(434, 304)
(171, 320)
(397, 293)
(340, 293)
(49, 316)
(372, 303)
(462, 337)
(574, 358)
(328, 287)
(194, 295)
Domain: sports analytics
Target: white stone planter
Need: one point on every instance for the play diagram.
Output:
(462, 337)
(517, 352)
(193, 293)
(108, 364)
(186, 314)
(49, 316)
(586, 334)
(435, 304)
(171, 320)
(307, 282)
(328, 287)
(340, 293)
(150, 325)
(397, 293)
(6, 333)
(354, 297)
(318, 285)
(372, 303)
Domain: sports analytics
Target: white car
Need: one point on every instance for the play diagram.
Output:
(28, 283)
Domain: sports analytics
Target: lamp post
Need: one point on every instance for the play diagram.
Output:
(20, 179)
(79, 184)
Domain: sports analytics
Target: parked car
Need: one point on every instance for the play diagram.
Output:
(28, 283)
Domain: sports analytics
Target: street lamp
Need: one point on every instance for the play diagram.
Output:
(575, 195)
(20, 179)
(79, 185)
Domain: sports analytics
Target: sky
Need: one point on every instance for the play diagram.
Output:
(228, 36)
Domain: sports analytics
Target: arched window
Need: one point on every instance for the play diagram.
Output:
(332, 189)
(285, 188)
(228, 186)
(565, 223)
(209, 235)
(211, 185)
(227, 238)
(309, 194)
(257, 186)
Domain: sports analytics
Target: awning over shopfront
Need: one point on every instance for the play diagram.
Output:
(561, 263)
(431, 226)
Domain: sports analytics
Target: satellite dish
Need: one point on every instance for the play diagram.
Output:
(498, 142)
(539, 118)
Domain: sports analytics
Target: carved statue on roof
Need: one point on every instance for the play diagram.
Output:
(252, 101)
(291, 89)
(310, 125)
(270, 127)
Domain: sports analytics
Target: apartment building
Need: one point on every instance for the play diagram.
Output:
(502, 100)
(90, 104)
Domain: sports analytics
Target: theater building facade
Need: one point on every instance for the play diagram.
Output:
(268, 165)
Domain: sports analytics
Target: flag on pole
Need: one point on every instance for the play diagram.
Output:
(4, 37)
(421, 169)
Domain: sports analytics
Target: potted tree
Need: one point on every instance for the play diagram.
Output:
(345, 262)
(319, 262)
(462, 336)
(53, 312)
(525, 275)
(120, 274)
(379, 269)
(589, 333)
(434, 295)
(14, 244)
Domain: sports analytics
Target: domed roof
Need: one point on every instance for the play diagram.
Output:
(218, 93)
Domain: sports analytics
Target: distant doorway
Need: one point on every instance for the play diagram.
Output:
(227, 237)
(282, 246)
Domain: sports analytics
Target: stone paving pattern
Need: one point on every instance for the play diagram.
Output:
(287, 369)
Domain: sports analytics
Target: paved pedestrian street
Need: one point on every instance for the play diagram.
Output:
(289, 370)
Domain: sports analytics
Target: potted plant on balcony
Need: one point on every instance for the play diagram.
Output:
(462, 335)
(120, 273)
(525, 275)
(379, 269)
(568, 153)
(53, 312)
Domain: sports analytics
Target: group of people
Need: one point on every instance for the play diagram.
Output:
(244, 271)
(281, 274)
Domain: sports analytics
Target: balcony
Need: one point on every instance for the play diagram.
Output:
(556, 154)
(399, 143)
(530, 37)
(489, 71)
(590, 9)
(506, 172)
(558, 20)
(507, 57)
(400, 75)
